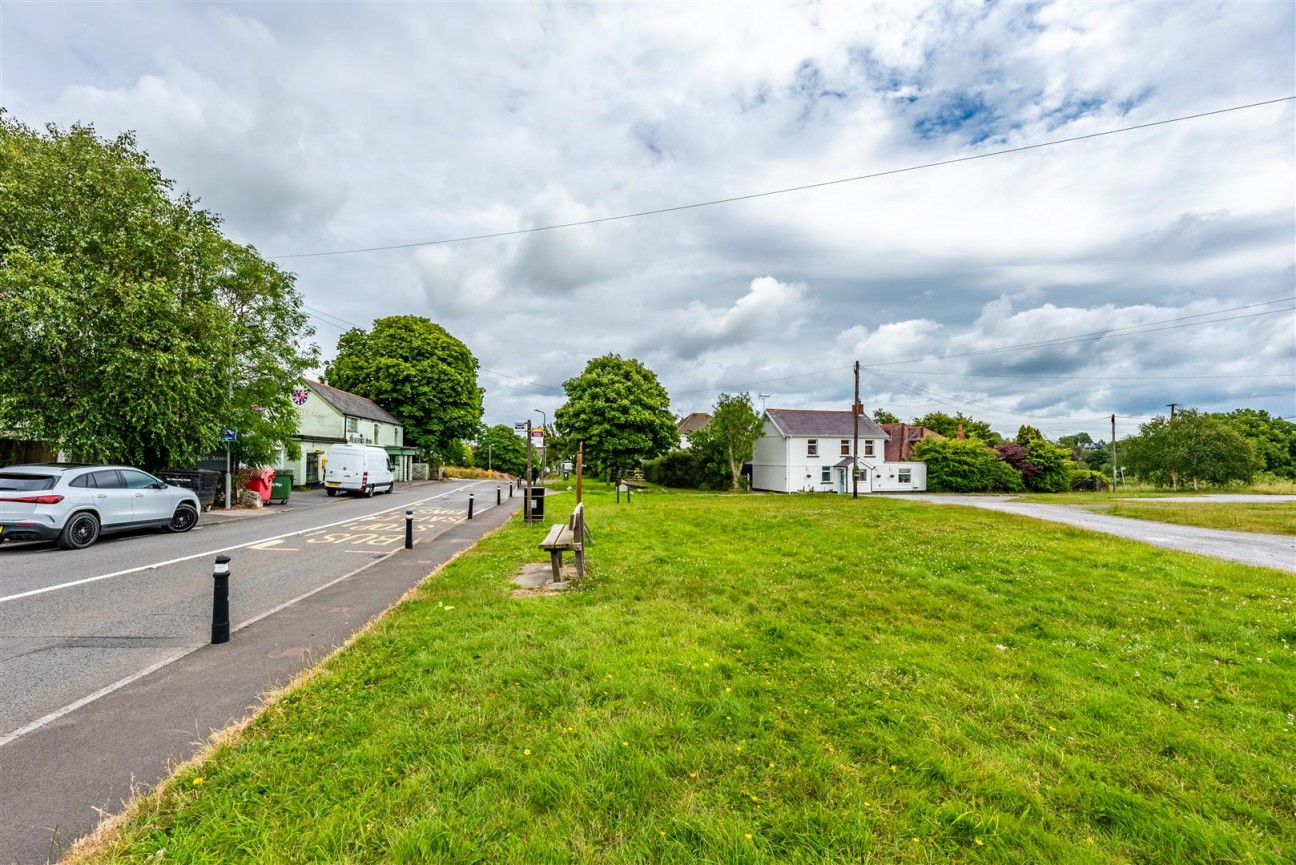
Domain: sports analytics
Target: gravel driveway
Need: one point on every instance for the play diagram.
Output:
(1269, 551)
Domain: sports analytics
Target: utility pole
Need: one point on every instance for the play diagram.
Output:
(1113, 420)
(855, 413)
(763, 397)
(1173, 406)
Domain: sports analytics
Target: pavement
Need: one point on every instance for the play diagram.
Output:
(60, 778)
(1266, 551)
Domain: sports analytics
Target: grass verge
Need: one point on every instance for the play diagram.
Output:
(778, 679)
(1278, 518)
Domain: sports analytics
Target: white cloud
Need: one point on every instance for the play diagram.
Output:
(347, 126)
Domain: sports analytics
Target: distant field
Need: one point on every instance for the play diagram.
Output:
(775, 679)
(1278, 518)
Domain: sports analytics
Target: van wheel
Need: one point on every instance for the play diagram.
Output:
(331, 492)
(391, 488)
(369, 491)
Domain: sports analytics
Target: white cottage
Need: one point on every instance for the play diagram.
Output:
(812, 451)
(328, 416)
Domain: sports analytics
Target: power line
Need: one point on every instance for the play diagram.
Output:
(785, 191)
(1182, 321)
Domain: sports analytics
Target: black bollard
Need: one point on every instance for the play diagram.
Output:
(499, 495)
(220, 601)
(409, 530)
(470, 505)
(510, 491)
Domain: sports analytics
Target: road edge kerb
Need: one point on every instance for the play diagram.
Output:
(232, 732)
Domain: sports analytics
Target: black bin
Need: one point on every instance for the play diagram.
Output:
(535, 503)
(201, 481)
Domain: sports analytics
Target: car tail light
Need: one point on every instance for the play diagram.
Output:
(36, 500)
(364, 479)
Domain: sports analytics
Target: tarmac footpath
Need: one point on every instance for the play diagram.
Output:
(57, 781)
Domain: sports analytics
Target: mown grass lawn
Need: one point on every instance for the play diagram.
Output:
(1278, 518)
(779, 679)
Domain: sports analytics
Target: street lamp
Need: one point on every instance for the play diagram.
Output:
(544, 449)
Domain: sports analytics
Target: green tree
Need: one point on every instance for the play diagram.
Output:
(1192, 447)
(500, 448)
(947, 425)
(965, 466)
(736, 423)
(132, 330)
(416, 370)
(1274, 438)
(881, 415)
(620, 411)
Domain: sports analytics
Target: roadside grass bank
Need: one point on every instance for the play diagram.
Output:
(777, 679)
(1278, 518)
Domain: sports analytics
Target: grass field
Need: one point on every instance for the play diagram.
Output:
(778, 679)
(1278, 518)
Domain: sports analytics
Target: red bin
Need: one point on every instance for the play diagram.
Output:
(260, 482)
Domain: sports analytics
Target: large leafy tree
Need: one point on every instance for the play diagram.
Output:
(737, 425)
(881, 415)
(620, 411)
(1190, 447)
(132, 330)
(500, 448)
(1274, 438)
(419, 372)
(947, 425)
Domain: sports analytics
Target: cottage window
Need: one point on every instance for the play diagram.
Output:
(903, 476)
(812, 448)
(845, 447)
(826, 476)
(352, 425)
(868, 448)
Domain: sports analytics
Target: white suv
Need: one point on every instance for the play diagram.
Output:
(74, 504)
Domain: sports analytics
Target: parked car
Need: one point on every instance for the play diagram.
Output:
(358, 469)
(75, 504)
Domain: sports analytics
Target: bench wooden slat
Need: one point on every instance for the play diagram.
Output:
(569, 537)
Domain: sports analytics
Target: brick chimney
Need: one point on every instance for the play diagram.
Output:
(960, 435)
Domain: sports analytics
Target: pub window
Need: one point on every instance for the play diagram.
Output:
(812, 448)
(845, 447)
(868, 448)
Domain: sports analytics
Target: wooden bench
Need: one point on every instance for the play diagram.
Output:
(568, 537)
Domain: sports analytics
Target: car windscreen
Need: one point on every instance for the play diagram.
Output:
(26, 482)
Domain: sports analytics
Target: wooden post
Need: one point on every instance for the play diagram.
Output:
(580, 459)
(855, 413)
(1113, 420)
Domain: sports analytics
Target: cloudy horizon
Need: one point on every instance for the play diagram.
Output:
(1053, 287)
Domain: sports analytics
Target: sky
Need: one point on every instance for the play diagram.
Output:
(1055, 286)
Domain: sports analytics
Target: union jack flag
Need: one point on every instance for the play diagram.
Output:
(299, 396)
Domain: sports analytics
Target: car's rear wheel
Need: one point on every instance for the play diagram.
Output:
(184, 519)
(81, 531)
(331, 492)
(369, 491)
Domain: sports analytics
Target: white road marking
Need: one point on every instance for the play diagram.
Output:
(170, 659)
(210, 553)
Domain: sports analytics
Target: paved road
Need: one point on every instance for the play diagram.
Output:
(106, 684)
(1269, 551)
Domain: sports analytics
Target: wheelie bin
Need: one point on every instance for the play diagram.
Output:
(260, 481)
(282, 487)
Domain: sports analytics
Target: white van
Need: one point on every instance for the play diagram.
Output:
(357, 469)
